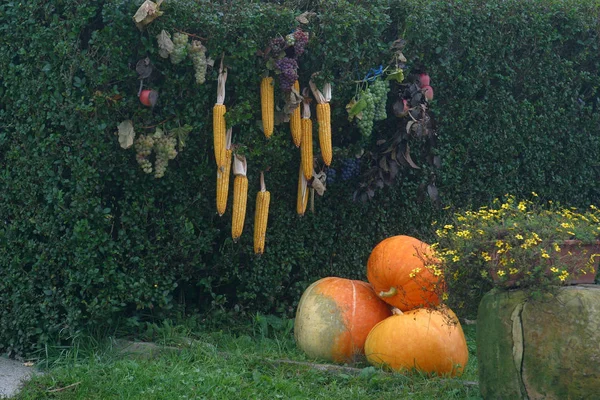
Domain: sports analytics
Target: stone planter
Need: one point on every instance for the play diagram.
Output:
(544, 349)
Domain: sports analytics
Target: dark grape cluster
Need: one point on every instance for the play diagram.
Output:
(278, 44)
(288, 75)
(350, 168)
(301, 39)
(331, 175)
(379, 89)
(180, 47)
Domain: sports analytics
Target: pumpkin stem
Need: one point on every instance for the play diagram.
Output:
(392, 292)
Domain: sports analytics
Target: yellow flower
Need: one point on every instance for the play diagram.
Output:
(519, 236)
(534, 194)
(563, 277)
(501, 272)
(456, 258)
(513, 271)
(554, 269)
(448, 226)
(544, 254)
(567, 225)
(445, 296)
(414, 272)
(499, 243)
(486, 256)
(556, 247)
(464, 234)
(522, 206)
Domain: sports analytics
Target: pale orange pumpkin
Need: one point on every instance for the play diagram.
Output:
(430, 341)
(334, 317)
(403, 273)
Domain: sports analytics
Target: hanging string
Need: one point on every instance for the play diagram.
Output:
(373, 74)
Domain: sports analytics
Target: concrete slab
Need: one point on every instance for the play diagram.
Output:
(12, 375)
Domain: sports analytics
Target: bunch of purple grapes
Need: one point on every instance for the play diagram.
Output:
(300, 43)
(278, 44)
(288, 75)
(331, 174)
(350, 168)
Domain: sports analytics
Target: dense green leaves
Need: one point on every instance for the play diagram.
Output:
(87, 238)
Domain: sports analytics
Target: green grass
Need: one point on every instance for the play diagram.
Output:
(222, 365)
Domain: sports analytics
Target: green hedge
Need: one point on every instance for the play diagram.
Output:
(87, 238)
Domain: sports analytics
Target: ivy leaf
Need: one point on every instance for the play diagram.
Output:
(126, 133)
(397, 75)
(356, 107)
(181, 134)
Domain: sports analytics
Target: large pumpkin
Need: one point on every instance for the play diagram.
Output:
(334, 317)
(430, 341)
(399, 270)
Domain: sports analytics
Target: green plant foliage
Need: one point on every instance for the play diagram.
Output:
(87, 237)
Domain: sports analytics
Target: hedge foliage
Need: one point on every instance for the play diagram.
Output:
(87, 238)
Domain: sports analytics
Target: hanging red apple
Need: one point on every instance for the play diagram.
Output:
(424, 80)
(149, 97)
(428, 92)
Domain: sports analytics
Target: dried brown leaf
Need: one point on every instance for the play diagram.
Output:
(147, 13)
(165, 44)
(126, 134)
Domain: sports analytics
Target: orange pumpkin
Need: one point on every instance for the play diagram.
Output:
(334, 317)
(399, 268)
(430, 341)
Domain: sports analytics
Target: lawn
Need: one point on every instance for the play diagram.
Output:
(262, 363)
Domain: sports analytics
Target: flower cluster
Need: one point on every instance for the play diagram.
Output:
(519, 243)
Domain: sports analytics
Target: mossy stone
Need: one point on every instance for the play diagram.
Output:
(540, 349)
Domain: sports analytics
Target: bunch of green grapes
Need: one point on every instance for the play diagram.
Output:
(365, 123)
(164, 147)
(180, 47)
(198, 55)
(379, 89)
(143, 149)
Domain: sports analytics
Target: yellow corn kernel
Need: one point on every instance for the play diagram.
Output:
(223, 183)
(219, 133)
(240, 195)
(261, 216)
(267, 105)
(295, 124)
(324, 120)
(302, 199)
(306, 148)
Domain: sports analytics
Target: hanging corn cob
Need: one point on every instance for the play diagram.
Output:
(240, 195)
(302, 199)
(324, 119)
(295, 123)
(219, 130)
(267, 105)
(223, 177)
(261, 216)
(306, 144)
